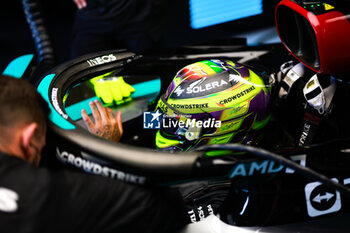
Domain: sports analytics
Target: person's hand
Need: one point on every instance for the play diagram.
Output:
(107, 125)
(80, 3)
(112, 90)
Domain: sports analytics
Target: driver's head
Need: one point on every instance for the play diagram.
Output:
(23, 118)
(212, 102)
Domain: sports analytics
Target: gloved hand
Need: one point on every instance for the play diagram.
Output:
(112, 89)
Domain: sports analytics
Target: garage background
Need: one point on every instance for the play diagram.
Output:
(16, 40)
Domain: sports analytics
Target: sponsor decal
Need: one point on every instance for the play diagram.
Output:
(258, 167)
(264, 167)
(236, 110)
(309, 128)
(178, 91)
(192, 216)
(163, 106)
(237, 96)
(8, 200)
(198, 87)
(321, 200)
(205, 86)
(55, 103)
(201, 211)
(190, 106)
(98, 169)
(304, 134)
(101, 60)
(233, 125)
(301, 159)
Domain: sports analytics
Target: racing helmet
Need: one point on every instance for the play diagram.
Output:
(212, 102)
(317, 33)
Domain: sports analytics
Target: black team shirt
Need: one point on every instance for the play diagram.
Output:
(39, 200)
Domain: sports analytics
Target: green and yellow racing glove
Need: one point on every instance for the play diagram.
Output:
(112, 90)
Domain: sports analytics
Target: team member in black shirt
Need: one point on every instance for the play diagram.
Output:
(136, 25)
(36, 199)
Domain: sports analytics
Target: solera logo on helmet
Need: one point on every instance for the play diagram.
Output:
(205, 85)
(200, 86)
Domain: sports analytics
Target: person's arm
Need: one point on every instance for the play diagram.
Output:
(80, 3)
(106, 124)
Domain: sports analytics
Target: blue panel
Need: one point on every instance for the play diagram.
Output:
(205, 13)
(74, 110)
(148, 88)
(56, 118)
(18, 66)
(151, 87)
